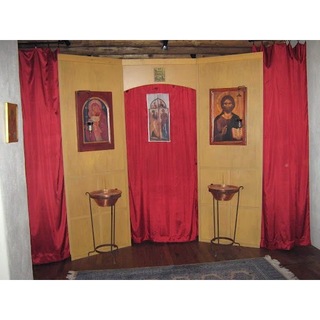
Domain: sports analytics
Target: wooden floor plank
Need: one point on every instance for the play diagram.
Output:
(304, 262)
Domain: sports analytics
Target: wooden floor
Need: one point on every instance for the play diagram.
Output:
(304, 262)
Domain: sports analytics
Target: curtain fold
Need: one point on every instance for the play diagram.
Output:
(38, 70)
(162, 175)
(285, 207)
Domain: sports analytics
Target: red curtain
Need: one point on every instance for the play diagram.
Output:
(43, 155)
(286, 211)
(162, 175)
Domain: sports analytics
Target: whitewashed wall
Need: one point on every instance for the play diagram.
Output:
(15, 248)
(313, 69)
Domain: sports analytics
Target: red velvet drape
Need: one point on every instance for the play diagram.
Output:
(286, 211)
(162, 175)
(43, 155)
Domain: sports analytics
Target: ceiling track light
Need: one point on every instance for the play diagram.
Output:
(164, 44)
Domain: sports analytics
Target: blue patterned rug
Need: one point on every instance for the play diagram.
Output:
(263, 268)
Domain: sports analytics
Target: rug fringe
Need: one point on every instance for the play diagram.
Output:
(284, 271)
(72, 275)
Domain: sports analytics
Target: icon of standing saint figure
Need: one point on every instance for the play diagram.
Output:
(158, 117)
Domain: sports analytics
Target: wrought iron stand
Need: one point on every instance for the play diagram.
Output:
(222, 193)
(104, 200)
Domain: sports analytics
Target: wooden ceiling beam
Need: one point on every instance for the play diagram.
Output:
(103, 51)
(142, 43)
(129, 49)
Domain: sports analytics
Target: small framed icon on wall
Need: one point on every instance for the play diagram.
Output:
(11, 111)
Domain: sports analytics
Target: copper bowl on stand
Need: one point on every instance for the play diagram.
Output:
(105, 197)
(223, 192)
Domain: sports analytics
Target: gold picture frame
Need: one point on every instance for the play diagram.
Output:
(159, 74)
(11, 122)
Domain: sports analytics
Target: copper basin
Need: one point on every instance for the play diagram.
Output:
(105, 197)
(223, 192)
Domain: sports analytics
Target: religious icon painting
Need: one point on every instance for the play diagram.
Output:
(11, 111)
(94, 120)
(158, 117)
(228, 116)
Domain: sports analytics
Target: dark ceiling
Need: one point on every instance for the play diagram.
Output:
(146, 49)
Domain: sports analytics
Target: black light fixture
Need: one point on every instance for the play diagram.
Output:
(164, 44)
(66, 42)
